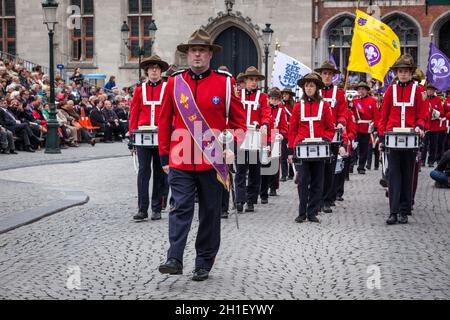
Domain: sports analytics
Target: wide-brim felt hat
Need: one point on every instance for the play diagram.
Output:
(274, 93)
(289, 91)
(362, 84)
(199, 38)
(328, 65)
(311, 77)
(253, 72)
(405, 61)
(240, 77)
(154, 60)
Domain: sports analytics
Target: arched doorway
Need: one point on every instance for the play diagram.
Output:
(444, 39)
(239, 51)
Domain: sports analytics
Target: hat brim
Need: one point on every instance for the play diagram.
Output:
(404, 66)
(185, 47)
(291, 93)
(301, 83)
(259, 76)
(359, 86)
(319, 70)
(164, 65)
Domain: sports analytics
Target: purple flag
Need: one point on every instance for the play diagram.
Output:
(387, 80)
(438, 71)
(337, 77)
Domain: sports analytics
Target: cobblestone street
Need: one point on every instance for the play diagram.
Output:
(269, 257)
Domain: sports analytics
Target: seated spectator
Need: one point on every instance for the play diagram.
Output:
(111, 83)
(113, 120)
(74, 117)
(122, 113)
(6, 141)
(98, 120)
(77, 76)
(92, 91)
(10, 121)
(65, 121)
(442, 172)
(38, 115)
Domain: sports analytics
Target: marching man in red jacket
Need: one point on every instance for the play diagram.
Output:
(198, 104)
(366, 114)
(257, 112)
(403, 107)
(145, 111)
(336, 98)
(313, 109)
(437, 126)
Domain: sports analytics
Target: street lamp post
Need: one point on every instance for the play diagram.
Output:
(267, 33)
(125, 30)
(49, 8)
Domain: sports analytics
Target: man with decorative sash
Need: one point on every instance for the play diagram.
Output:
(145, 112)
(367, 115)
(198, 105)
(258, 117)
(403, 108)
(336, 98)
(276, 135)
(287, 169)
(437, 126)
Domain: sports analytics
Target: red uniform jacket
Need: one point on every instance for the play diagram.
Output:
(391, 116)
(299, 130)
(282, 124)
(340, 107)
(350, 131)
(140, 112)
(366, 109)
(289, 110)
(436, 104)
(262, 114)
(209, 90)
(447, 108)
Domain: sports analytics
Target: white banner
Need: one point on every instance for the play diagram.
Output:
(287, 71)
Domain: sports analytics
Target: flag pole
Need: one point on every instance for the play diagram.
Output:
(332, 48)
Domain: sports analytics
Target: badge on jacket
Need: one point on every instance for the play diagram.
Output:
(216, 100)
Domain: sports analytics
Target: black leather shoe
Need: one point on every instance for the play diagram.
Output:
(333, 204)
(240, 207)
(361, 171)
(273, 193)
(300, 219)
(383, 183)
(141, 216)
(13, 152)
(313, 219)
(376, 168)
(368, 168)
(392, 219)
(403, 219)
(224, 215)
(172, 266)
(156, 216)
(290, 178)
(264, 201)
(250, 207)
(327, 209)
(340, 199)
(29, 149)
(200, 275)
(283, 179)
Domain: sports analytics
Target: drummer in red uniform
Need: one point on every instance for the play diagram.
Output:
(437, 126)
(403, 107)
(311, 172)
(145, 111)
(367, 115)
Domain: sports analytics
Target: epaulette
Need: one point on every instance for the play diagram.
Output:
(224, 73)
(178, 72)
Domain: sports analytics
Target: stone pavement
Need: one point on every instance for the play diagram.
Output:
(270, 257)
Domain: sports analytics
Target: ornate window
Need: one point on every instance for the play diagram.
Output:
(340, 36)
(139, 19)
(8, 26)
(83, 38)
(407, 32)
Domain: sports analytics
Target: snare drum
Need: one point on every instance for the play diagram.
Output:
(252, 141)
(313, 151)
(145, 138)
(402, 140)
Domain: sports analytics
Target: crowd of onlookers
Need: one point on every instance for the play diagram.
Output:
(85, 113)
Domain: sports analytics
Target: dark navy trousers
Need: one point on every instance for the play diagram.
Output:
(184, 185)
(401, 173)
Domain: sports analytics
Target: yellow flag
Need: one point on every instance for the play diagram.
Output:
(375, 47)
